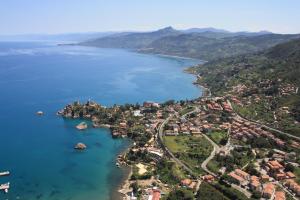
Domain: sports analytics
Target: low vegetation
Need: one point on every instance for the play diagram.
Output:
(190, 149)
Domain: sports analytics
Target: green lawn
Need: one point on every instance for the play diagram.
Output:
(191, 150)
(218, 136)
(186, 110)
(208, 192)
(213, 166)
(169, 172)
(176, 143)
(297, 173)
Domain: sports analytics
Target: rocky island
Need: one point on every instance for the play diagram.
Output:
(80, 146)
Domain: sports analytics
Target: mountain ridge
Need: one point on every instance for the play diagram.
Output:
(205, 44)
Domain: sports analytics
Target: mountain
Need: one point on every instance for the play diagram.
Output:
(201, 43)
(266, 83)
(201, 30)
(131, 40)
(201, 46)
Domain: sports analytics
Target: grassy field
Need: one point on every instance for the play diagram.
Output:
(191, 150)
(208, 192)
(218, 136)
(169, 172)
(176, 143)
(213, 166)
(297, 173)
(186, 110)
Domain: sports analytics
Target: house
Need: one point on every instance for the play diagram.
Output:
(243, 174)
(292, 185)
(186, 182)
(290, 175)
(123, 125)
(255, 183)
(265, 178)
(208, 178)
(274, 166)
(268, 190)
(154, 194)
(279, 195)
(241, 178)
(280, 176)
(148, 104)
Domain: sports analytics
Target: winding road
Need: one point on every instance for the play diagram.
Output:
(216, 148)
(160, 137)
(265, 126)
(212, 155)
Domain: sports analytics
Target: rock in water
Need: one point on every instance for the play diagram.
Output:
(80, 146)
(82, 126)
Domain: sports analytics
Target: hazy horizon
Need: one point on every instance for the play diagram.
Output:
(136, 31)
(64, 16)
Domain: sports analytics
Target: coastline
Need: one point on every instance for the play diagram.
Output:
(121, 191)
(124, 186)
(138, 51)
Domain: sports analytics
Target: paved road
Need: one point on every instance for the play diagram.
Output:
(160, 137)
(265, 126)
(284, 188)
(212, 155)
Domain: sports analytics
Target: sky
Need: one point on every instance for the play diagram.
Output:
(67, 16)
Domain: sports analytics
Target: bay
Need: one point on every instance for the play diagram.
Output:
(38, 150)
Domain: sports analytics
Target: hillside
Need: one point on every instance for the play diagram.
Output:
(210, 46)
(131, 40)
(203, 43)
(266, 84)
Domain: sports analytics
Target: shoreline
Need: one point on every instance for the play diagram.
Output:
(119, 191)
(124, 186)
(138, 51)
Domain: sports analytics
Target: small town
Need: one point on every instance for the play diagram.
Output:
(197, 148)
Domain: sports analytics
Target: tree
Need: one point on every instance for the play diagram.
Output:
(135, 187)
(289, 168)
(180, 194)
(256, 195)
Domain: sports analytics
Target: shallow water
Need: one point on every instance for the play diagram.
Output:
(38, 151)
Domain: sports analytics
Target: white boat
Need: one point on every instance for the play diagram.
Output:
(6, 173)
(4, 187)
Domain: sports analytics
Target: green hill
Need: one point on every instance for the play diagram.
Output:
(213, 46)
(205, 44)
(268, 83)
(131, 40)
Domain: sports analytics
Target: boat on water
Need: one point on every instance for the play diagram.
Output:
(4, 187)
(40, 113)
(6, 173)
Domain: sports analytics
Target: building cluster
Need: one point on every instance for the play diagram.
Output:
(188, 183)
(272, 173)
(153, 194)
(278, 172)
(214, 105)
(244, 130)
(203, 121)
(288, 89)
(260, 184)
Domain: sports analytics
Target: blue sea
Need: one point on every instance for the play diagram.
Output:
(38, 150)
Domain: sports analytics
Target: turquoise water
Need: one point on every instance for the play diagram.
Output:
(38, 151)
